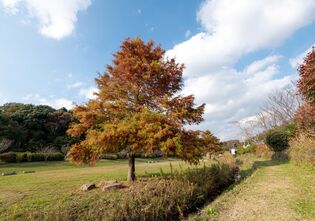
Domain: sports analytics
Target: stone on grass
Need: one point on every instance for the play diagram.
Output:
(31, 171)
(88, 186)
(237, 177)
(108, 182)
(112, 186)
(9, 173)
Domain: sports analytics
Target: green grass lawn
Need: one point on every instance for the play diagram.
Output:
(56, 184)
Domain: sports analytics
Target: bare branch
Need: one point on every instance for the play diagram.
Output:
(279, 108)
(5, 144)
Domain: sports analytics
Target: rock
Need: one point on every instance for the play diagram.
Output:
(9, 173)
(28, 171)
(112, 186)
(107, 182)
(237, 177)
(88, 186)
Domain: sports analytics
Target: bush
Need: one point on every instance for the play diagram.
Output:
(290, 129)
(302, 151)
(35, 157)
(9, 157)
(305, 118)
(263, 151)
(109, 157)
(280, 156)
(13, 157)
(247, 149)
(227, 159)
(122, 155)
(138, 155)
(55, 157)
(21, 157)
(277, 140)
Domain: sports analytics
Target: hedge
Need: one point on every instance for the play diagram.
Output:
(18, 157)
(9, 157)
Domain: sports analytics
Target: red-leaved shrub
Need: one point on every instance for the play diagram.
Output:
(305, 118)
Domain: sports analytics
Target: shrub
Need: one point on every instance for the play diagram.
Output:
(263, 151)
(305, 118)
(12, 157)
(55, 157)
(227, 159)
(35, 157)
(290, 129)
(280, 156)
(122, 155)
(152, 155)
(247, 149)
(302, 150)
(139, 155)
(9, 157)
(109, 157)
(21, 157)
(277, 140)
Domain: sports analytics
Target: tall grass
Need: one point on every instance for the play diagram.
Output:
(166, 198)
(302, 150)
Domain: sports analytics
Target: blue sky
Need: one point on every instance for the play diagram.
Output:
(34, 64)
(236, 52)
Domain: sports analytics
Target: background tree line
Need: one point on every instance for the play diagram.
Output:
(34, 128)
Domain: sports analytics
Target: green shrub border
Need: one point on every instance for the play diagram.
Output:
(20, 157)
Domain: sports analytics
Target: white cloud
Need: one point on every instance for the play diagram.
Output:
(62, 102)
(88, 93)
(11, 6)
(75, 85)
(55, 103)
(232, 30)
(258, 65)
(298, 60)
(56, 18)
(232, 95)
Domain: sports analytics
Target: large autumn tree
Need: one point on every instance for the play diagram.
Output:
(138, 109)
(306, 83)
(305, 116)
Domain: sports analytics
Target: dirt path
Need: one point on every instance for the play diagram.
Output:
(273, 192)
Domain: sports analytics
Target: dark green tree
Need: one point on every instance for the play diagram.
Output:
(32, 127)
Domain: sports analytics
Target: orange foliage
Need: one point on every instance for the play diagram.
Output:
(306, 84)
(305, 116)
(138, 109)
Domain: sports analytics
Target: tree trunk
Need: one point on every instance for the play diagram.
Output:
(131, 171)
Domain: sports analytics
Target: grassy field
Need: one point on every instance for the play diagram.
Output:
(272, 191)
(55, 184)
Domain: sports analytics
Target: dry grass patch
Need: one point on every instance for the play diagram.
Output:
(275, 191)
